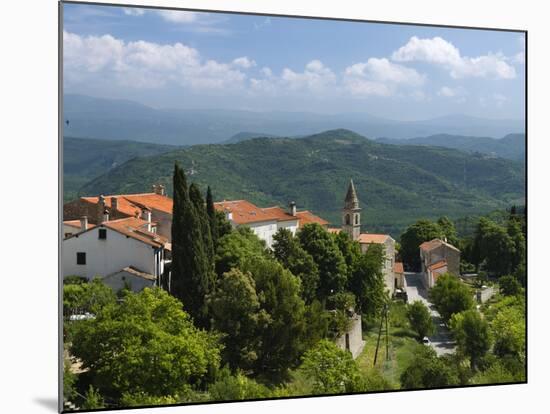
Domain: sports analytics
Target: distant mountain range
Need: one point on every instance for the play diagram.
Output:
(512, 146)
(396, 184)
(126, 120)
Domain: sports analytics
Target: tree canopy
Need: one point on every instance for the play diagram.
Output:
(420, 319)
(147, 344)
(472, 335)
(449, 295)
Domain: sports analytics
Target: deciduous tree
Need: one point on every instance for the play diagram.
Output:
(420, 319)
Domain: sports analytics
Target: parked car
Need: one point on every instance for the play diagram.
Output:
(81, 316)
(426, 341)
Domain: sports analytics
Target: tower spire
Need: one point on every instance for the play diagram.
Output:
(351, 201)
(351, 213)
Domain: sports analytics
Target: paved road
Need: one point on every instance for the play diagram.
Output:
(441, 341)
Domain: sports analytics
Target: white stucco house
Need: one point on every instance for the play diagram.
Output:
(126, 250)
(265, 222)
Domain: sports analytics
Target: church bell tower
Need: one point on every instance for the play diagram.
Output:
(351, 213)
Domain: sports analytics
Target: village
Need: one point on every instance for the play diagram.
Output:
(125, 240)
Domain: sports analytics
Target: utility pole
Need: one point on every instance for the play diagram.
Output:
(385, 315)
(387, 333)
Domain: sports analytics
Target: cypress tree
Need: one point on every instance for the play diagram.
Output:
(213, 220)
(192, 251)
(181, 199)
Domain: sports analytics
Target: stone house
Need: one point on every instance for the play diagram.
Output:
(438, 257)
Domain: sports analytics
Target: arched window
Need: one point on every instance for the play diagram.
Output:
(348, 222)
(357, 219)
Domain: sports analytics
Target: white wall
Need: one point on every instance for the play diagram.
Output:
(119, 280)
(69, 229)
(104, 257)
(266, 230)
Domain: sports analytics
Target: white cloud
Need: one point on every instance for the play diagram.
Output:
(179, 16)
(379, 77)
(263, 23)
(316, 77)
(457, 94)
(244, 62)
(133, 11)
(266, 71)
(144, 64)
(441, 52)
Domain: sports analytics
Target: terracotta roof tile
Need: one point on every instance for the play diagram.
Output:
(438, 265)
(307, 217)
(76, 224)
(367, 238)
(132, 204)
(432, 244)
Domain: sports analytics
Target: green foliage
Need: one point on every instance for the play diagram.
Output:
(84, 297)
(237, 387)
(427, 370)
(509, 285)
(331, 369)
(287, 250)
(413, 237)
(448, 230)
(235, 248)
(495, 374)
(223, 225)
(141, 399)
(472, 335)
(332, 267)
(236, 312)
(494, 248)
(282, 337)
(212, 218)
(69, 380)
(367, 281)
(192, 249)
(449, 295)
(351, 250)
(288, 168)
(420, 319)
(92, 400)
(146, 344)
(341, 306)
(508, 329)
(85, 159)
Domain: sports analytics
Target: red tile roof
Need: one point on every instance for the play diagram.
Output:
(133, 227)
(245, 212)
(307, 217)
(368, 238)
(432, 244)
(76, 224)
(437, 265)
(398, 267)
(132, 204)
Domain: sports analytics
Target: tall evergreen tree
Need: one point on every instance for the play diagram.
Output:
(179, 237)
(213, 220)
(200, 255)
(192, 250)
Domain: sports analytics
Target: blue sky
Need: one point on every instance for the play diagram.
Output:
(208, 60)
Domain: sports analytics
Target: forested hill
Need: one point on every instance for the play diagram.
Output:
(85, 159)
(512, 146)
(396, 184)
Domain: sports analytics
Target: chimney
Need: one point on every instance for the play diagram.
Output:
(105, 217)
(158, 189)
(292, 208)
(146, 215)
(228, 215)
(114, 204)
(83, 223)
(101, 207)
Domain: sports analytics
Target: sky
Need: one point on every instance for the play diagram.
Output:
(183, 59)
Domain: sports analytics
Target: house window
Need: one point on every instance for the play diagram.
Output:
(80, 258)
(103, 234)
